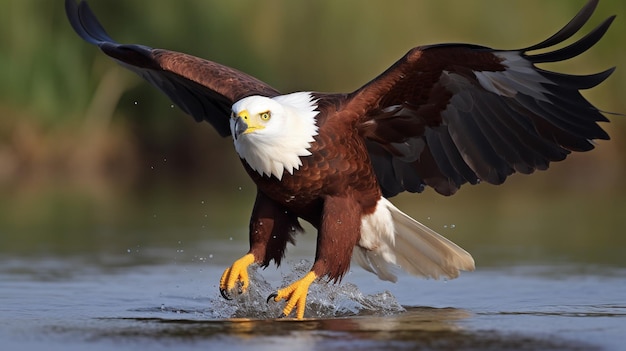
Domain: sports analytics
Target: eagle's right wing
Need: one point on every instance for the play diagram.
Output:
(204, 89)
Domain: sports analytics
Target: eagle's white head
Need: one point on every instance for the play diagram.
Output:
(271, 134)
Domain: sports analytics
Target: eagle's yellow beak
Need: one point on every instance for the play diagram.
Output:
(244, 115)
(245, 124)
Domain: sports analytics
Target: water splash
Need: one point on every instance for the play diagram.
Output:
(325, 300)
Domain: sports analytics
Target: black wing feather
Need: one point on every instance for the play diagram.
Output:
(574, 49)
(485, 113)
(571, 28)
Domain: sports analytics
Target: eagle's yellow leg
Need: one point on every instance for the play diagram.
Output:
(237, 272)
(295, 294)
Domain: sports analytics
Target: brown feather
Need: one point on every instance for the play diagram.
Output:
(229, 82)
(337, 171)
(272, 226)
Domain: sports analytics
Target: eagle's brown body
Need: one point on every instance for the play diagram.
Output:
(441, 116)
(336, 181)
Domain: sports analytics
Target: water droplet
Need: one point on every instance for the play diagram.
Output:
(210, 255)
(128, 250)
(136, 103)
(202, 202)
(231, 238)
(240, 188)
(452, 226)
(172, 106)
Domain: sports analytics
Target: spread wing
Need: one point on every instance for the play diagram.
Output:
(203, 89)
(448, 114)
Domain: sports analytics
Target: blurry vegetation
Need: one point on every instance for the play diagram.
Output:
(83, 141)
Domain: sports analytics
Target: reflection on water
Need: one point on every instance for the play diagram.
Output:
(415, 323)
(416, 328)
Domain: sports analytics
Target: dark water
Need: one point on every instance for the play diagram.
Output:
(168, 298)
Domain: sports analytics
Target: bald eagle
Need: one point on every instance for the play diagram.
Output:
(441, 116)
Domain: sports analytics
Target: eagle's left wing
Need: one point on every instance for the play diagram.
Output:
(203, 89)
(448, 114)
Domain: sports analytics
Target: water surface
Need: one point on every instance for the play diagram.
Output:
(161, 298)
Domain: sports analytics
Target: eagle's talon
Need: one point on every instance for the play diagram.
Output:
(295, 295)
(225, 295)
(236, 276)
(272, 297)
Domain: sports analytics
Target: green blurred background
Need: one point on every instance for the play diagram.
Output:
(93, 159)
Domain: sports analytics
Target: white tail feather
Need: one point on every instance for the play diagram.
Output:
(408, 244)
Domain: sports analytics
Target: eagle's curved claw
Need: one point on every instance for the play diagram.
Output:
(272, 296)
(224, 294)
(295, 294)
(237, 273)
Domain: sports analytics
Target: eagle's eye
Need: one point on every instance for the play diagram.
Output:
(265, 115)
